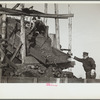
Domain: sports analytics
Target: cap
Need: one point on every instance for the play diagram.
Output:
(85, 53)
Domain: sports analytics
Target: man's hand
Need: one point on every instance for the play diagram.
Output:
(69, 59)
(92, 72)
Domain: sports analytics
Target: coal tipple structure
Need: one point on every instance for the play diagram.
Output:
(29, 54)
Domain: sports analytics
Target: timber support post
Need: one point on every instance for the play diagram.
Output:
(23, 37)
(0, 47)
(57, 28)
(3, 36)
(69, 29)
(69, 33)
(45, 11)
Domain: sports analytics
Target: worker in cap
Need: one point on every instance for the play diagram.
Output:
(85, 53)
(88, 65)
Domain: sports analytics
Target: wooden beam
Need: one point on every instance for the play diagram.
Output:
(10, 51)
(53, 40)
(3, 27)
(16, 51)
(0, 75)
(45, 11)
(23, 37)
(57, 28)
(3, 34)
(10, 63)
(12, 12)
(0, 65)
(46, 31)
(70, 34)
(69, 29)
(16, 6)
(65, 49)
(0, 50)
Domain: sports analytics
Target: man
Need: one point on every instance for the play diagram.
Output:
(40, 26)
(88, 65)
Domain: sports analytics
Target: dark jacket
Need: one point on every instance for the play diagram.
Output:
(88, 63)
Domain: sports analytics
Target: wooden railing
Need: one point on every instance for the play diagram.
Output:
(46, 80)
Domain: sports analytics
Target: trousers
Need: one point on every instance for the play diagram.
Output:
(89, 76)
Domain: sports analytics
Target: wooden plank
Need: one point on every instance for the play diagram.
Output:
(46, 31)
(75, 80)
(64, 80)
(12, 12)
(10, 63)
(57, 80)
(69, 33)
(0, 74)
(23, 37)
(45, 11)
(34, 80)
(4, 80)
(18, 48)
(92, 80)
(20, 80)
(57, 28)
(30, 60)
(37, 55)
(16, 6)
(46, 80)
(69, 29)
(53, 38)
(3, 34)
(11, 51)
(3, 27)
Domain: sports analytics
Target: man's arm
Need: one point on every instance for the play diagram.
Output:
(93, 63)
(78, 59)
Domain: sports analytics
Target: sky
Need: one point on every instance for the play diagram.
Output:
(85, 30)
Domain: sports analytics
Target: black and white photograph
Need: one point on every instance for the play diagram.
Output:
(49, 43)
(49, 50)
